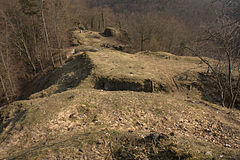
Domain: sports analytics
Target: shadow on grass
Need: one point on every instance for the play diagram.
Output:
(70, 75)
(207, 85)
(210, 91)
(7, 121)
(153, 147)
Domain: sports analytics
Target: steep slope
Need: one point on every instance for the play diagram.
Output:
(107, 104)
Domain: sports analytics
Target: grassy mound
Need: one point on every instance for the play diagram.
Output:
(115, 71)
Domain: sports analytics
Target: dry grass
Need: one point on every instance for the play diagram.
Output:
(66, 118)
(141, 66)
(69, 119)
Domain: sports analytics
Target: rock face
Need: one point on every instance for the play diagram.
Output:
(119, 34)
(118, 84)
(81, 26)
(111, 32)
(87, 49)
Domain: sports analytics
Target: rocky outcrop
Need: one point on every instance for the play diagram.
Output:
(119, 34)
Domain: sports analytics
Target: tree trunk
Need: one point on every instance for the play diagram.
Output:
(4, 63)
(28, 55)
(58, 39)
(142, 41)
(46, 34)
(8, 74)
(25, 47)
(236, 94)
(92, 23)
(4, 89)
(230, 75)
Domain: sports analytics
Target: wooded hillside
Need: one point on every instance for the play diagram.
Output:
(33, 33)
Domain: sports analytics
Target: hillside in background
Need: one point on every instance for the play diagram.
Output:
(104, 103)
(33, 33)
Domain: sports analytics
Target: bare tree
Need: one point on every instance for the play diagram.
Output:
(221, 42)
(46, 33)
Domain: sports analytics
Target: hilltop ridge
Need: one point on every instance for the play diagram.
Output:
(105, 103)
(100, 62)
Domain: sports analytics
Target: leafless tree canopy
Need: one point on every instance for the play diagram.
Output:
(220, 41)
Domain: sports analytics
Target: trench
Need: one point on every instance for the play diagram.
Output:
(124, 84)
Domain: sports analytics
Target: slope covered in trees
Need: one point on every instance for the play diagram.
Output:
(34, 32)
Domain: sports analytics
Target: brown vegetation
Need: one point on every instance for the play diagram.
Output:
(93, 100)
(34, 33)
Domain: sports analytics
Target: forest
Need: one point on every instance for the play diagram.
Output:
(34, 32)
